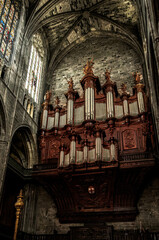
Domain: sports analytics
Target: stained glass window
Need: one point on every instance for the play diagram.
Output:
(35, 67)
(9, 13)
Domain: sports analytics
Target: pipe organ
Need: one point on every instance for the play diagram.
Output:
(97, 141)
(94, 110)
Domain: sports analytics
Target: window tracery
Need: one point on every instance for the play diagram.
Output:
(9, 14)
(35, 67)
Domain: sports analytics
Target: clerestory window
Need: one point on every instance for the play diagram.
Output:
(9, 14)
(35, 67)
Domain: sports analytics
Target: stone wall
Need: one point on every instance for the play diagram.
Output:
(107, 54)
(148, 217)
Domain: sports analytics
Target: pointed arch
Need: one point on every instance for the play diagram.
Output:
(23, 148)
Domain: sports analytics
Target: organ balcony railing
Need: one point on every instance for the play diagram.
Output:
(102, 125)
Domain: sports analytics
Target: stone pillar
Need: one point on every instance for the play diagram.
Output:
(28, 223)
(3, 162)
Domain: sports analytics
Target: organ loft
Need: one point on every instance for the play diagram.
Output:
(96, 152)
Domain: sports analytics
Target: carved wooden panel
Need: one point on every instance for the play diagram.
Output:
(129, 139)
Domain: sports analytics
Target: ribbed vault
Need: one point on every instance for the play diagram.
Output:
(66, 23)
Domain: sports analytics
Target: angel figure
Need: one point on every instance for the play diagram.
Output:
(107, 75)
(137, 77)
(57, 101)
(70, 83)
(123, 87)
(88, 67)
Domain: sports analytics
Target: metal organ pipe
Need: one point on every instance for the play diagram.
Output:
(70, 111)
(62, 158)
(85, 153)
(98, 148)
(86, 103)
(110, 106)
(112, 151)
(92, 103)
(44, 118)
(141, 102)
(125, 105)
(89, 102)
(57, 118)
(72, 150)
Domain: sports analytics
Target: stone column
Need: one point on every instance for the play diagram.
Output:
(3, 162)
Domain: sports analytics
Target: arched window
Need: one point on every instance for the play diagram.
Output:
(35, 67)
(9, 13)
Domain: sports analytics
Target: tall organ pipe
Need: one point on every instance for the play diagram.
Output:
(73, 150)
(110, 106)
(57, 114)
(70, 111)
(98, 148)
(141, 102)
(62, 157)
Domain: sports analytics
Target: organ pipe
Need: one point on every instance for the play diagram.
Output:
(98, 148)
(57, 118)
(73, 150)
(45, 109)
(86, 104)
(125, 105)
(140, 102)
(70, 111)
(89, 103)
(110, 106)
(112, 151)
(62, 157)
(85, 153)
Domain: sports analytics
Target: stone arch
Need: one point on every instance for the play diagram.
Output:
(23, 147)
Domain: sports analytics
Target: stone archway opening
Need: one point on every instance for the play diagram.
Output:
(20, 160)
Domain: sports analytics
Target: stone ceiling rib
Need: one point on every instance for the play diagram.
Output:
(63, 39)
(53, 19)
(40, 14)
(124, 29)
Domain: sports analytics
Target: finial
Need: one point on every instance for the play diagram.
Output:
(57, 101)
(88, 67)
(107, 75)
(70, 83)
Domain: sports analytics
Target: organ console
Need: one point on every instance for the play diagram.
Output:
(104, 140)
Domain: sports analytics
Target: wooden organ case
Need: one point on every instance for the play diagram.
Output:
(97, 151)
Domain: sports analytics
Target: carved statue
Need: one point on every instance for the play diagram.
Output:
(47, 95)
(107, 75)
(123, 87)
(88, 67)
(57, 101)
(70, 83)
(137, 77)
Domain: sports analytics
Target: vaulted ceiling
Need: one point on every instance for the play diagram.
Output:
(67, 23)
